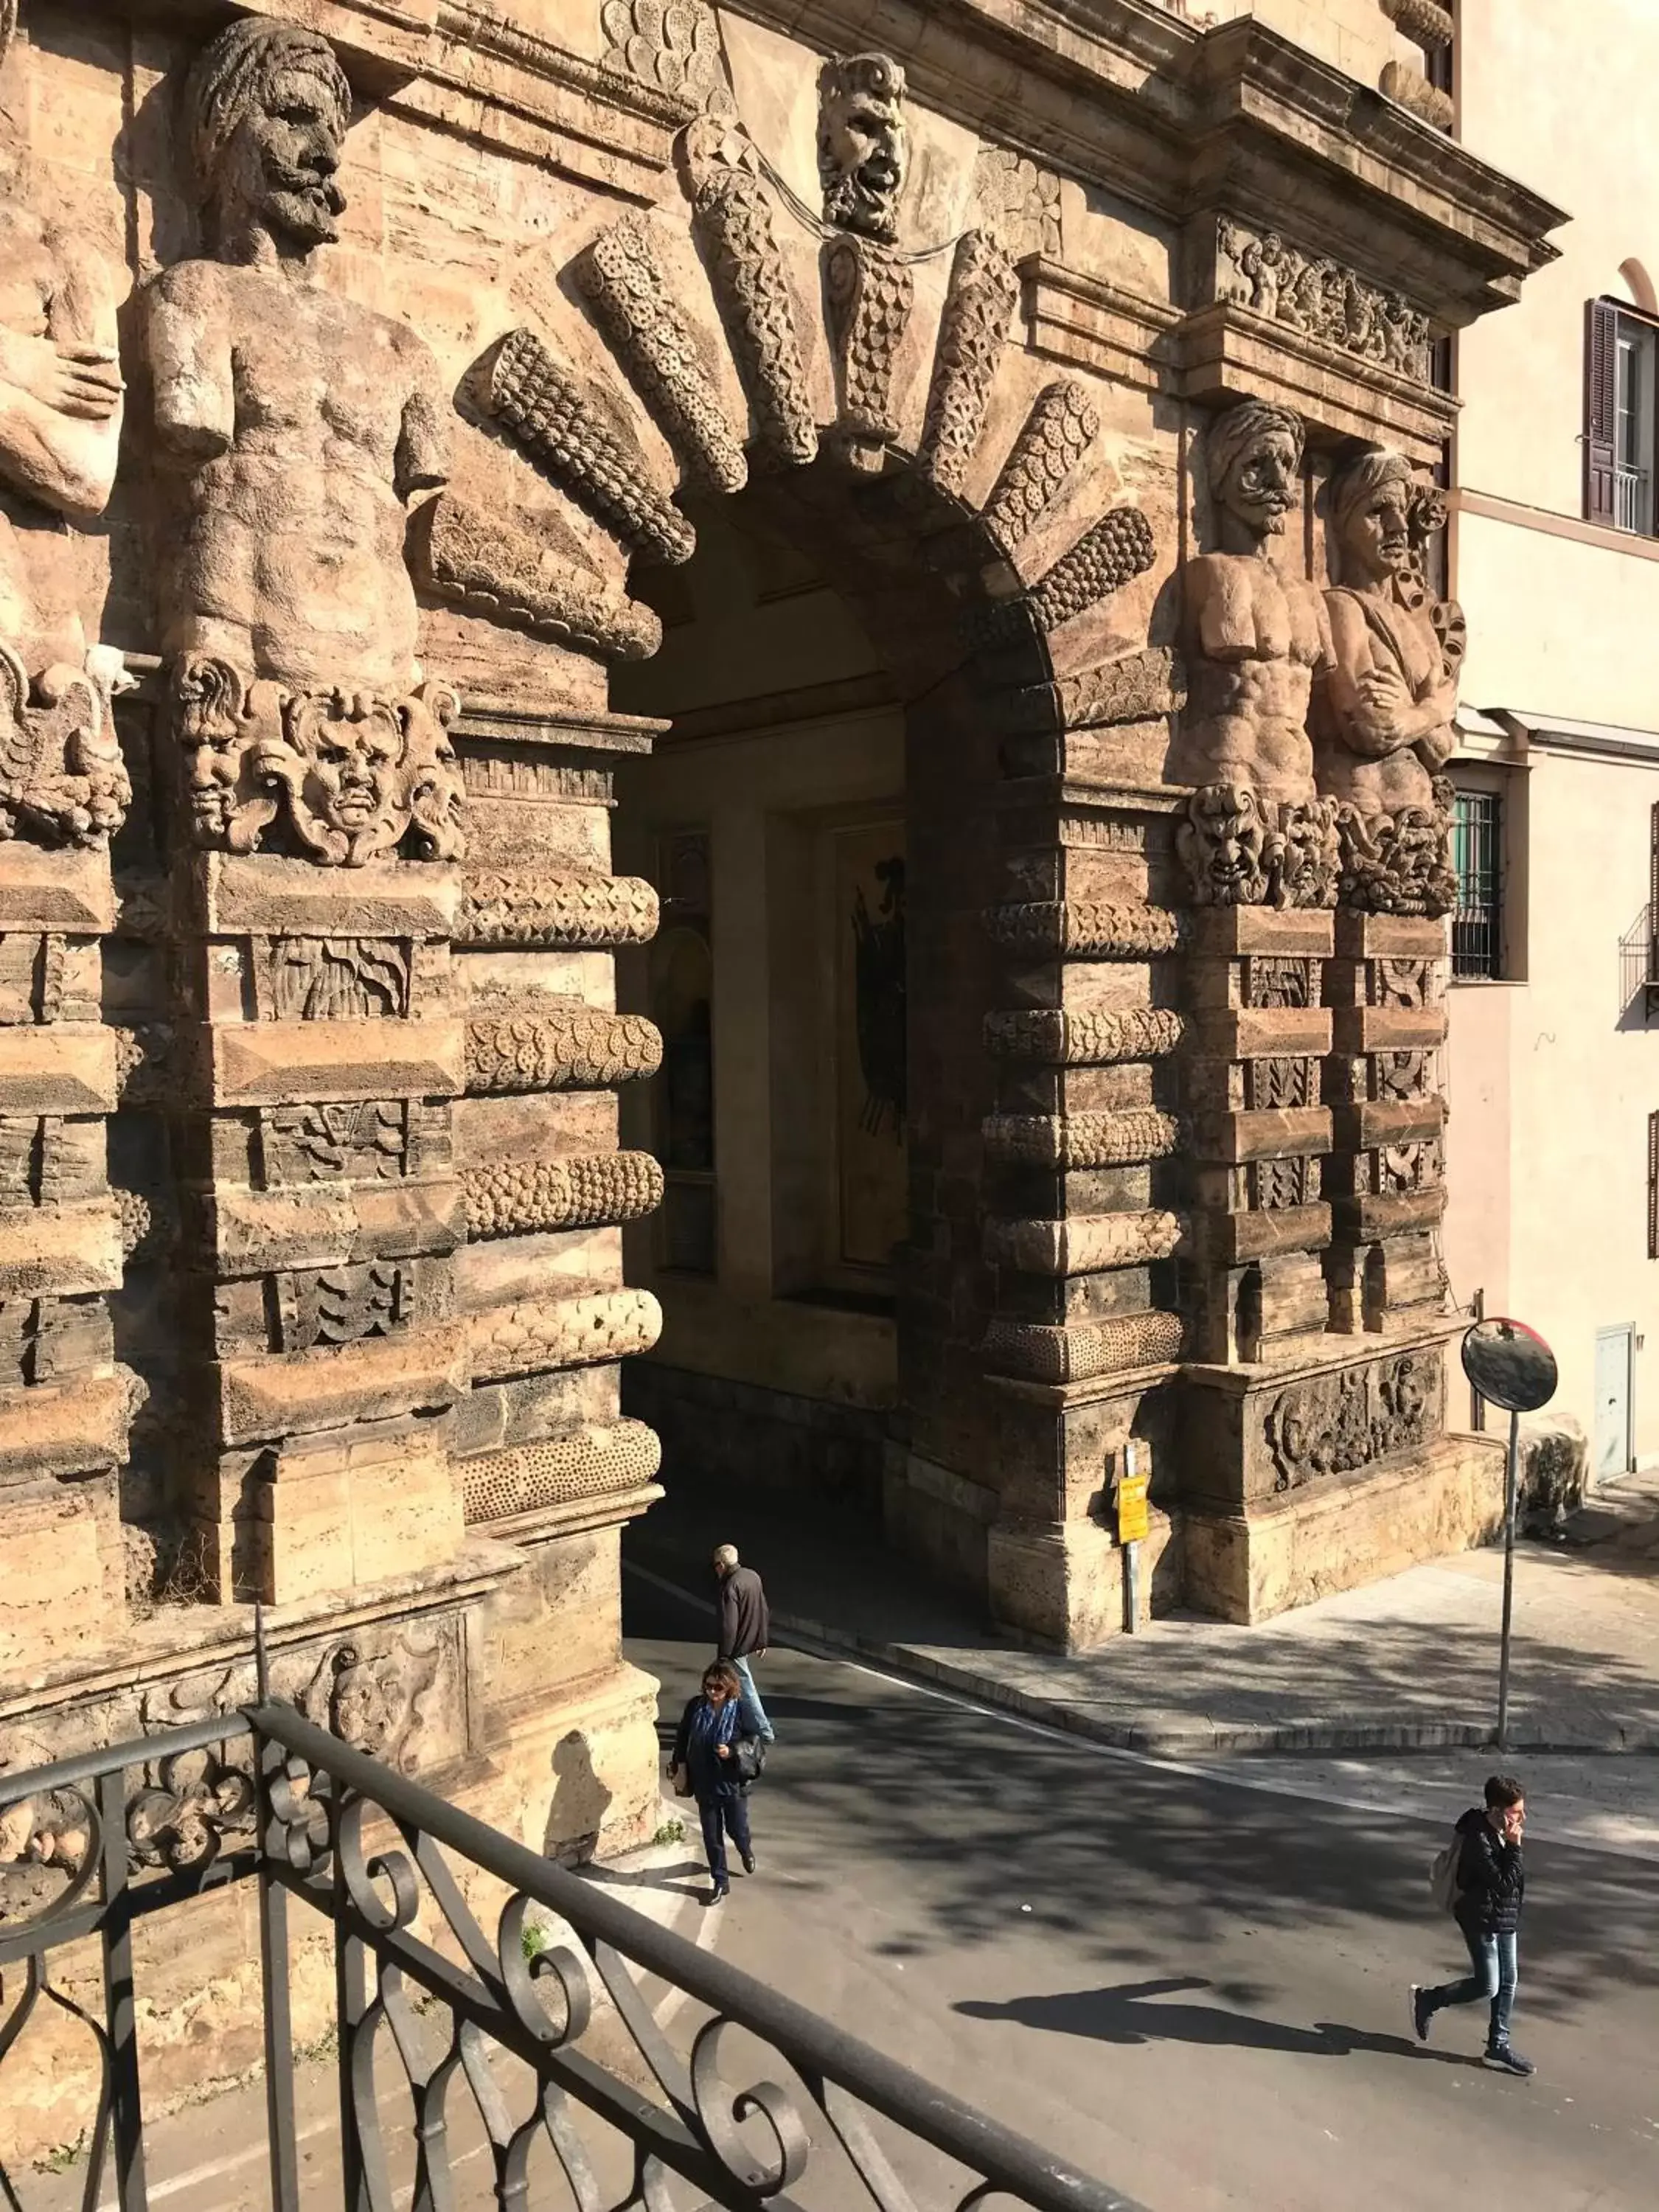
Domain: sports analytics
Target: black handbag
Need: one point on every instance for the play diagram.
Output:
(751, 1760)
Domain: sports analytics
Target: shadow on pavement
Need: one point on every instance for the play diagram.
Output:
(1127, 2012)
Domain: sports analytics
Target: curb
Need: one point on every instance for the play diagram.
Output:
(1183, 1740)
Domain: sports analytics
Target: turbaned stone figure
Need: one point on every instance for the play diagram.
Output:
(1255, 640)
(296, 429)
(1384, 710)
(61, 776)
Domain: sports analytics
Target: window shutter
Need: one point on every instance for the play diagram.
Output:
(1600, 407)
(1653, 1185)
(1653, 893)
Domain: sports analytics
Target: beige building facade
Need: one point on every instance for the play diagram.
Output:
(1553, 1059)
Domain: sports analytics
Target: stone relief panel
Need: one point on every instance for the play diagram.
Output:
(1337, 1423)
(1018, 202)
(1262, 271)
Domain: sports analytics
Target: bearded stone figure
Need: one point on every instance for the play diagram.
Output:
(1256, 638)
(61, 776)
(1386, 704)
(296, 427)
(864, 145)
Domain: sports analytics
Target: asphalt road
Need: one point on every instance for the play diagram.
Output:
(1195, 1988)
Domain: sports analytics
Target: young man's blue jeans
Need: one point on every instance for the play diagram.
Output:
(754, 1712)
(1494, 1960)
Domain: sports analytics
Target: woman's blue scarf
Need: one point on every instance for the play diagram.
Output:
(714, 1724)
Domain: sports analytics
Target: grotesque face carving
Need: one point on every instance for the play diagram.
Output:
(270, 107)
(352, 750)
(864, 149)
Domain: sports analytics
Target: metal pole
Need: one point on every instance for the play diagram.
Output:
(1509, 1473)
(1132, 1585)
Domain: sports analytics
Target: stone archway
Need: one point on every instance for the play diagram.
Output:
(866, 402)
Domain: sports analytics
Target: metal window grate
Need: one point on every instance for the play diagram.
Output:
(1476, 946)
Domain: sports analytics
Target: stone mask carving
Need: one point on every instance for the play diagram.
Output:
(269, 106)
(354, 775)
(864, 148)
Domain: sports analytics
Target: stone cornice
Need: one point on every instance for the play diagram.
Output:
(1180, 121)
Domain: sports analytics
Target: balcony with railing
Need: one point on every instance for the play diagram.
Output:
(1632, 500)
(549, 2053)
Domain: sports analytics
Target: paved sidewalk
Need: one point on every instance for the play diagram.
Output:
(1410, 1663)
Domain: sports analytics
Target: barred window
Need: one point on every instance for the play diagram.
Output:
(1477, 948)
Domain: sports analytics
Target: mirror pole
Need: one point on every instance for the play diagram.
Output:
(1509, 1479)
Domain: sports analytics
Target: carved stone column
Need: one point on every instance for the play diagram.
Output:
(1386, 984)
(315, 1066)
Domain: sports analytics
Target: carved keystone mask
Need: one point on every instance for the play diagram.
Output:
(864, 145)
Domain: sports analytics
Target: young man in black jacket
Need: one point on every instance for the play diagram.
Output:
(746, 1630)
(1491, 1881)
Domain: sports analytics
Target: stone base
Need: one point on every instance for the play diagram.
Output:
(586, 1779)
(62, 1592)
(1286, 1553)
(941, 1519)
(1063, 1588)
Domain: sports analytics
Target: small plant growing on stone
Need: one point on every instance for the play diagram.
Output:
(537, 1937)
(672, 1831)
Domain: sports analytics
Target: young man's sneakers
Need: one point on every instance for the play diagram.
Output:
(1505, 2061)
(1421, 2013)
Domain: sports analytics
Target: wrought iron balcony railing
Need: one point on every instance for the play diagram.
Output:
(1633, 501)
(752, 2101)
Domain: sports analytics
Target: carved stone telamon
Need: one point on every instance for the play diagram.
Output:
(296, 428)
(61, 777)
(1255, 638)
(864, 145)
(1385, 707)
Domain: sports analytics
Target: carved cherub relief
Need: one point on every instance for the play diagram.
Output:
(1255, 638)
(864, 145)
(61, 775)
(297, 428)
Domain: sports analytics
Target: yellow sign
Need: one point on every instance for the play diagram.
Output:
(1133, 1520)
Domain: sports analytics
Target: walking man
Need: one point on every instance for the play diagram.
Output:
(745, 1628)
(1490, 1883)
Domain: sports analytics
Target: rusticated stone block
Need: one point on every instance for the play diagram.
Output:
(63, 1067)
(558, 1047)
(1081, 1140)
(60, 1594)
(267, 1063)
(1265, 1133)
(1260, 1032)
(250, 1231)
(65, 1428)
(579, 1332)
(337, 1512)
(1083, 1243)
(510, 1197)
(66, 888)
(1058, 1039)
(67, 1249)
(297, 1393)
(525, 906)
(1084, 929)
(235, 894)
(1358, 1030)
(561, 1470)
(1083, 1350)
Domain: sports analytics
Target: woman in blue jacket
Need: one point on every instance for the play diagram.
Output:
(719, 1759)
